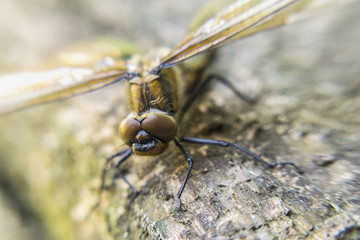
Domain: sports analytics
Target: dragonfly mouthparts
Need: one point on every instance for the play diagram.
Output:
(144, 147)
(147, 145)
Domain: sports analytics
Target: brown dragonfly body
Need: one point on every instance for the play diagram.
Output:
(153, 99)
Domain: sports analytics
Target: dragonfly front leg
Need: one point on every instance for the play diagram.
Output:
(190, 161)
(124, 155)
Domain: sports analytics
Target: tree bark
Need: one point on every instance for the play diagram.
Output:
(305, 77)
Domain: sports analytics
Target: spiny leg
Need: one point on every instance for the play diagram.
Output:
(229, 144)
(122, 159)
(118, 153)
(124, 154)
(105, 169)
(198, 91)
(190, 161)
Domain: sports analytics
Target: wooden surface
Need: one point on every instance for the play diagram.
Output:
(307, 78)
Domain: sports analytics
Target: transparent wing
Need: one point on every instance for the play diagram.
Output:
(239, 19)
(22, 90)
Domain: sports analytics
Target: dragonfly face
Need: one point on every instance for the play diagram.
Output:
(148, 133)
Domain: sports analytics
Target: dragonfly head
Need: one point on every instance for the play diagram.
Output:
(148, 134)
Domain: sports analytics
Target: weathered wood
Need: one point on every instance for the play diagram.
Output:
(306, 77)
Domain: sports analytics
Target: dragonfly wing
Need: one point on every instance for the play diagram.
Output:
(22, 90)
(239, 19)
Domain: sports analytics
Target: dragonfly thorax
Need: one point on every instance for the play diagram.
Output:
(149, 133)
(149, 90)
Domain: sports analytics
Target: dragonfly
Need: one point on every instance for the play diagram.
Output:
(156, 83)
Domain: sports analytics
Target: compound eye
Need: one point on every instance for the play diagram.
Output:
(162, 126)
(128, 129)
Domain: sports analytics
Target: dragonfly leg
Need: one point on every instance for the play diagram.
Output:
(199, 89)
(190, 161)
(238, 147)
(122, 159)
(119, 153)
(124, 154)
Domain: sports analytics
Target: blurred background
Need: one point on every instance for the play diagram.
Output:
(32, 30)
